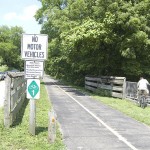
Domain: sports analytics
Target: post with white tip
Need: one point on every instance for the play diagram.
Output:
(33, 93)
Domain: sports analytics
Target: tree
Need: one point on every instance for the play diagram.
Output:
(10, 47)
(97, 37)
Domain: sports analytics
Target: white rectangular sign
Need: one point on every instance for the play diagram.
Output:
(34, 69)
(34, 46)
(33, 88)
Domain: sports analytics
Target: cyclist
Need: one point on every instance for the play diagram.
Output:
(142, 86)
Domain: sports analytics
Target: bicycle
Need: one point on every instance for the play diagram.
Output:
(142, 99)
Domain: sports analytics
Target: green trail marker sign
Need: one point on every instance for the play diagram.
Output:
(33, 88)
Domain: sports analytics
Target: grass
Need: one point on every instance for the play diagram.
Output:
(127, 107)
(18, 137)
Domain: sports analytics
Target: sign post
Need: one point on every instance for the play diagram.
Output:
(32, 119)
(33, 89)
(34, 52)
(33, 93)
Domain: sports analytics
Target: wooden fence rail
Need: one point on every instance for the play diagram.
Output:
(115, 85)
(15, 86)
(118, 86)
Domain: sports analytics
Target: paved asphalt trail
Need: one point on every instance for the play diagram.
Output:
(87, 124)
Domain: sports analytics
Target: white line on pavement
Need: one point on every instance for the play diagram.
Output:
(120, 137)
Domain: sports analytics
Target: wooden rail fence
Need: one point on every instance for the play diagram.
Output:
(15, 86)
(115, 85)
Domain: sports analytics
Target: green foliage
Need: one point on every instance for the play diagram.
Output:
(10, 47)
(3, 68)
(97, 37)
(103, 92)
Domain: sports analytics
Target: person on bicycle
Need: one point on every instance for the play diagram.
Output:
(142, 85)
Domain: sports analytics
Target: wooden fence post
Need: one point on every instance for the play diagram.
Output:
(7, 117)
(51, 126)
(124, 89)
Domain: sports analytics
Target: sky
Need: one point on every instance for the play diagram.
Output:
(20, 13)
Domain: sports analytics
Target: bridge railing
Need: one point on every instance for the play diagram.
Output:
(115, 85)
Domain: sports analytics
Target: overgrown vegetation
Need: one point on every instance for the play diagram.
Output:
(10, 48)
(17, 137)
(103, 92)
(96, 37)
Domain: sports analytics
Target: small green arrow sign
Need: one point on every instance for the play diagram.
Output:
(33, 89)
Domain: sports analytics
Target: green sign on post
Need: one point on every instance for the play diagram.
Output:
(33, 88)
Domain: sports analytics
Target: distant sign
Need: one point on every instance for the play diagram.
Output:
(34, 46)
(34, 69)
(33, 88)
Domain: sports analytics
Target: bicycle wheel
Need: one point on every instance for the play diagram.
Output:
(140, 102)
(143, 102)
